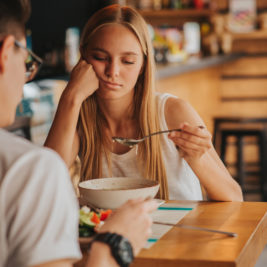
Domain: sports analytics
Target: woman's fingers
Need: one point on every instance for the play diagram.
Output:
(195, 136)
(83, 79)
(199, 140)
(199, 131)
(193, 141)
(196, 145)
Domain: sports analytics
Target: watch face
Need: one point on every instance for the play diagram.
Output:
(125, 251)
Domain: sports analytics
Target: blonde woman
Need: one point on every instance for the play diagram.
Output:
(111, 93)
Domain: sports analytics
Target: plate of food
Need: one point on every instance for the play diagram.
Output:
(89, 221)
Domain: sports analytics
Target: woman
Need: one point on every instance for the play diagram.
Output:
(111, 93)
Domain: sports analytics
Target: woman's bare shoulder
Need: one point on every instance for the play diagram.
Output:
(178, 111)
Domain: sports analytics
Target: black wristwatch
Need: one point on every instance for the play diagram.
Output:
(120, 247)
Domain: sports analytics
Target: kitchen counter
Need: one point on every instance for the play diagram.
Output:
(172, 69)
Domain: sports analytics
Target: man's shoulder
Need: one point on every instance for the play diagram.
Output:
(13, 147)
(29, 163)
(9, 140)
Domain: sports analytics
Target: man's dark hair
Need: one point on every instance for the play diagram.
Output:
(13, 16)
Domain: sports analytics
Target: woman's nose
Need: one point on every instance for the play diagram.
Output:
(112, 69)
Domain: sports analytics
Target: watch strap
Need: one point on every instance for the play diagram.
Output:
(114, 240)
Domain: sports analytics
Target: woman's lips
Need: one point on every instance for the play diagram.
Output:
(111, 84)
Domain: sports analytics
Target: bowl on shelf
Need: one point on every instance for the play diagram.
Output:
(110, 193)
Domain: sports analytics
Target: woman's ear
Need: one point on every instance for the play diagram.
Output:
(5, 50)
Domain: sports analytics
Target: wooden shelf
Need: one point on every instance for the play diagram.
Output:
(167, 13)
(255, 35)
(175, 17)
(223, 5)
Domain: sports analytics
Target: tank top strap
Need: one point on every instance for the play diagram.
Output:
(161, 101)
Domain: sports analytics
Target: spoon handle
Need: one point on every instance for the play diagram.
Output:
(198, 228)
(165, 131)
(169, 131)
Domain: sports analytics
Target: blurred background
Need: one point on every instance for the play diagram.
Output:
(212, 53)
(179, 28)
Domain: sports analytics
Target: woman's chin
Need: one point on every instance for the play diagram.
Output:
(105, 93)
(108, 94)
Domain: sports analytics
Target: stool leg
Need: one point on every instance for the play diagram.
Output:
(216, 136)
(263, 165)
(223, 146)
(240, 162)
(261, 159)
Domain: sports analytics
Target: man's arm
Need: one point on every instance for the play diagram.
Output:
(59, 263)
(44, 225)
(100, 256)
(132, 221)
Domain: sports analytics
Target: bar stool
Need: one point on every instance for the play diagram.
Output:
(241, 128)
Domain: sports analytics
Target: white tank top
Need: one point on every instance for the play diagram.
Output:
(182, 182)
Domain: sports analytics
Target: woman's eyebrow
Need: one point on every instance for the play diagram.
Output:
(127, 53)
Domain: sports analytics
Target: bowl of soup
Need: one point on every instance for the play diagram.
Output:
(110, 193)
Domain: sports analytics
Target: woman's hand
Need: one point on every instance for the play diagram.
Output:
(193, 141)
(83, 80)
(132, 220)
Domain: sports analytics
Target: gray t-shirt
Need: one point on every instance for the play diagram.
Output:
(38, 207)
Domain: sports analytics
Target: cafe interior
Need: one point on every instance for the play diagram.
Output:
(211, 53)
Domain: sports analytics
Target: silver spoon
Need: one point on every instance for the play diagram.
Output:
(198, 228)
(132, 142)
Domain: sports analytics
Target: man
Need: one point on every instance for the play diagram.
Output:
(38, 207)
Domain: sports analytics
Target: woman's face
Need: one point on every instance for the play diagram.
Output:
(117, 58)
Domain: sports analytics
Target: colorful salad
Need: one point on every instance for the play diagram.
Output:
(90, 220)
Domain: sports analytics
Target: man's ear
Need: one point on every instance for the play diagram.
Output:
(5, 50)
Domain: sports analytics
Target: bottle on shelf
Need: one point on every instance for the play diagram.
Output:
(131, 3)
(166, 3)
(157, 4)
(72, 48)
(199, 4)
(175, 4)
(187, 3)
(145, 4)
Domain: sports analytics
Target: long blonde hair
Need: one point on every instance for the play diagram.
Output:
(91, 121)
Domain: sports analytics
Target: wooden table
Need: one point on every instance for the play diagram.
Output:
(189, 248)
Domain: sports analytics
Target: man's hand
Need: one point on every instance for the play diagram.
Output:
(132, 221)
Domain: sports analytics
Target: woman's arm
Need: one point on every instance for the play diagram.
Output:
(63, 137)
(195, 145)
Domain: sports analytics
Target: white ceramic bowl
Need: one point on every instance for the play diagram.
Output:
(110, 193)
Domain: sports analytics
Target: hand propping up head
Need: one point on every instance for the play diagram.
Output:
(83, 80)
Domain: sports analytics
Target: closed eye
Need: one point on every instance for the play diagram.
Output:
(100, 58)
(128, 62)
